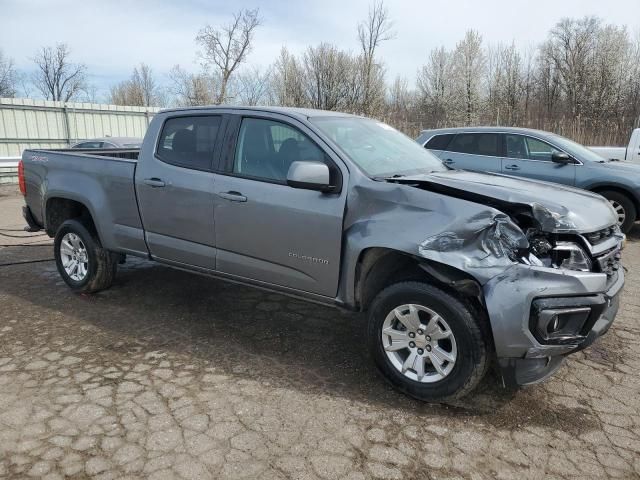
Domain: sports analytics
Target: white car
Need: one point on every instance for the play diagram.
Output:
(630, 153)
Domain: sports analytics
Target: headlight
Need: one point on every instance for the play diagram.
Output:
(571, 256)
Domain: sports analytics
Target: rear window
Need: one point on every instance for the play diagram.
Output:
(439, 142)
(189, 141)
(476, 144)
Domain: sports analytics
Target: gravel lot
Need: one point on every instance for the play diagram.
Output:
(172, 375)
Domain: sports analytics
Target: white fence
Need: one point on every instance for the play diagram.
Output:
(28, 123)
(8, 170)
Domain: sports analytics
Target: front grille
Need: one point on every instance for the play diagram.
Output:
(609, 262)
(594, 238)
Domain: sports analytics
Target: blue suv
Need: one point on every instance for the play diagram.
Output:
(540, 155)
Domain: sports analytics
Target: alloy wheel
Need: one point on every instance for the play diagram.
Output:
(74, 257)
(419, 343)
(620, 213)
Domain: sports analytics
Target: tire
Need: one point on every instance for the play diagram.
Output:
(99, 269)
(623, 206)
(471, 342)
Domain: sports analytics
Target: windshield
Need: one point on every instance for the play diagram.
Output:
(377, 148)
(579, 151)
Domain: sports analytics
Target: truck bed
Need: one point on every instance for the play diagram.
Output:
(124, 153)
(102, 180)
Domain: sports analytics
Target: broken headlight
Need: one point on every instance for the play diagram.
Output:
(561, 254)
(571, 256)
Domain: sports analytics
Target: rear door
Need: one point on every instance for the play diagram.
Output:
(527, 156)
(474, 151)
(175, 185)
(266, 230)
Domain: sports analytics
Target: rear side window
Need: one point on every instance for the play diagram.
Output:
(439, 142)
(476, 144)
(189, 141)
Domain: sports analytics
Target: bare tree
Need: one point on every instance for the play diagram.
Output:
(371, 33)
(401, 98)
(227, 47)
(287, 80)
(253, 86)
(570, 47)
(505, 84)
(469, 69)
(8, 76)
(141, 89)
(56, 77)
(435, 85)
(192, 89)
(331, 78)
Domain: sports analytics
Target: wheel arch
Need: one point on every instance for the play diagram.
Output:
(58, 209)
(602, 187)
(379, 267)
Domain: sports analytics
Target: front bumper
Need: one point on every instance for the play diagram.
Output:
(523, 358)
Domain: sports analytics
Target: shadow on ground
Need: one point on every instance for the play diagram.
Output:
(256, 335)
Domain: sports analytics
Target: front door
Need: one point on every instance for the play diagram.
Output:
(530, 157)
(175, 187)
(267, 230)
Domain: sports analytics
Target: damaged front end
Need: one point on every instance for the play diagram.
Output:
(550, 287)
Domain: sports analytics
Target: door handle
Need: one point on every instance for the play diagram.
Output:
(512, 167)
(233, 196)
(448, 161)
(153, 182)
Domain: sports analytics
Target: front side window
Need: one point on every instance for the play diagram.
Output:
(529, 148)
(189, 141)
(266, 149)
(476, 144)
(539, 150)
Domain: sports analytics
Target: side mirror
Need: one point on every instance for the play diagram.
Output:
(309, 176)
(561, 157)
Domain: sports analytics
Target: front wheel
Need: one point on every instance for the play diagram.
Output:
(426, 342)
(81, 261)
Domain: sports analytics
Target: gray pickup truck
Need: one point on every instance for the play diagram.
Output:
(456, 270)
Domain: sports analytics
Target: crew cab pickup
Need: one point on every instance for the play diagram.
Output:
(630, 153)
(455, 269)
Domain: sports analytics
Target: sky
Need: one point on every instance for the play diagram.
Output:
(112, 36)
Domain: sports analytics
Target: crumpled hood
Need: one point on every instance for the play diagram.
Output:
(557, 208)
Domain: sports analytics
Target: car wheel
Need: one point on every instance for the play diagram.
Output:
(624, 207)
(81, 261)
(427, 343)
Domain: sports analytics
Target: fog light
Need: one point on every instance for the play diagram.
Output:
(562, 324)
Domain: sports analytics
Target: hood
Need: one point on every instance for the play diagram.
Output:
(556, 208)
(622, 166)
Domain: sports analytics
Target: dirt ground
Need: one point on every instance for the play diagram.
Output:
(173, 375)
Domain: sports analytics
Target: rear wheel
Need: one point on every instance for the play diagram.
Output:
(426, 342)
(81, 261)
(624, 207)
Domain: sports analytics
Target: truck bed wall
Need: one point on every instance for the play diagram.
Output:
(105, 185)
